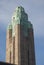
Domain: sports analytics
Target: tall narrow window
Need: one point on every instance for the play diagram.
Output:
(13, 50)
(28, 57)
(10, 56)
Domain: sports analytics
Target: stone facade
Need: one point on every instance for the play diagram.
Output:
(20, 40)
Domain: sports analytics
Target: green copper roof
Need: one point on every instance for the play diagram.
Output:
(10, 26)
(20, 17)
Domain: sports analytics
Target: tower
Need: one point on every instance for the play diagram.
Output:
(20, 39)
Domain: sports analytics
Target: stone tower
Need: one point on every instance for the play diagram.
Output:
(20, 39)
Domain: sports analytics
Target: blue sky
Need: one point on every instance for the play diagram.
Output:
(35, 11)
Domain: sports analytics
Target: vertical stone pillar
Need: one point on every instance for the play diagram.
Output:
(23, 47)
(17, 46)
(31, 47)
(13, 50)
(8, 45)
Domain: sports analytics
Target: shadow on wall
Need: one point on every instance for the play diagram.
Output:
(4, 63)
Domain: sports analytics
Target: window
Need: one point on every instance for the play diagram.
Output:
(10, 56)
